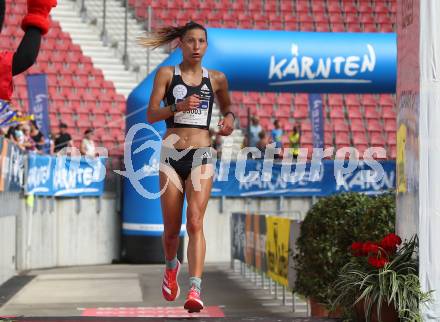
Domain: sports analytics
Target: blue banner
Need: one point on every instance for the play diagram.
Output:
(254, 179)
(65, 176)
(316, 115)
(11, 166)
(38, 103)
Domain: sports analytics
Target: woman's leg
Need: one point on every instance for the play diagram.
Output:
(172, 203)
(198, 190)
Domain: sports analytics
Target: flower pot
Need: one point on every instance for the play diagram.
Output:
(388, 313)
(319, 310)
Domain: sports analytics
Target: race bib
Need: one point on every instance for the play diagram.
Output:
(197, 116)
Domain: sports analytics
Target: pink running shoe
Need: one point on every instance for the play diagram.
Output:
(193, 303)
(170, 286)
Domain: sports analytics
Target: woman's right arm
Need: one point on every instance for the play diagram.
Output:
(156, 113)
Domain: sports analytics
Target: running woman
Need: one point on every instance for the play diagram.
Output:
(187, 167)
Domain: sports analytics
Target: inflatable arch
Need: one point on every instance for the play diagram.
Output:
(253, 60)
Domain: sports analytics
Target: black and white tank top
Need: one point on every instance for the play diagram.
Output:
(198, 118)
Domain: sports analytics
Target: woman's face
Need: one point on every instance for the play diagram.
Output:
(193, 45)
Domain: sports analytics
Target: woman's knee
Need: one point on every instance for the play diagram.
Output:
(171, 234)
(194, 222)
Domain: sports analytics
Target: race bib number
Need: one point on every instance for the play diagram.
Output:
(197, 116)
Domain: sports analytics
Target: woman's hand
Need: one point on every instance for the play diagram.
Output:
(226, 125)
(190, 103)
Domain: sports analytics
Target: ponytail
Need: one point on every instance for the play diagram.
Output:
(165, 35)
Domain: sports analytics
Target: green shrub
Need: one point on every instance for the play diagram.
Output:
(327, 232)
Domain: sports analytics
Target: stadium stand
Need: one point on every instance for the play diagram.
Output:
(81, 97)
(78, 93)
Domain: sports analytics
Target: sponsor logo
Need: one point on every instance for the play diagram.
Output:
(300, 69)
(179, 91)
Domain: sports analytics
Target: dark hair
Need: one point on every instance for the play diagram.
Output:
(165, 35)
(88, 131)
(63, 125)
(2, 13)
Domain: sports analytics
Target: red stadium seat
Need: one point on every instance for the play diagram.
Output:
(337, 27)
(386, 100)
(306, 126)
(390, 125)
(342, 138)
(373, 125)
(377, 139)
(306, 138)
(354, 112)
(337, 112)
(357, 125)
(300, 111)
(371, 112)
(339, 125)
(393, 152)
(391, 138)
(388, 113)
(360, 138)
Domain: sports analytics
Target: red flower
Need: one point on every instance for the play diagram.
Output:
(357, 249)
(370, 247)
(377, 262)
(390, 242)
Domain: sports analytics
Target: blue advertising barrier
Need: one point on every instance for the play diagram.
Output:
(265, 61)
(64, 176)
(253, 179)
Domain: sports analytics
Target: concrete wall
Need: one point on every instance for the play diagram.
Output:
(7, 248)
(10, 206)
(67, 232)
(217, 219)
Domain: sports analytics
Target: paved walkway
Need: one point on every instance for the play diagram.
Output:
(130, 292)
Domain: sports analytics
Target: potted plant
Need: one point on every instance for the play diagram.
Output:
(327, 232)
(380, 282)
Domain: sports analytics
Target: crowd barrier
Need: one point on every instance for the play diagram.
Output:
(267, 244)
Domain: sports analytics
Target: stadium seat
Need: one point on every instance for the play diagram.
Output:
(300, 111)
(359, 138)
(342, 138)
(390, 125)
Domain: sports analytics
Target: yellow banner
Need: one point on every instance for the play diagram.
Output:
(277, 248)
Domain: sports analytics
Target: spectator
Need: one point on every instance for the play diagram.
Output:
(87, 147)
(51, 144)
(37, 136)
(4, 131)
(254, 131)
(277, 136)
(63, 139)
(17, 135)
(294, 139)
(28, 143)
(262, 142)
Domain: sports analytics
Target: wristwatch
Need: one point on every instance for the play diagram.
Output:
(173, 107)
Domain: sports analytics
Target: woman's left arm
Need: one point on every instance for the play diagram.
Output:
(226, 124)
